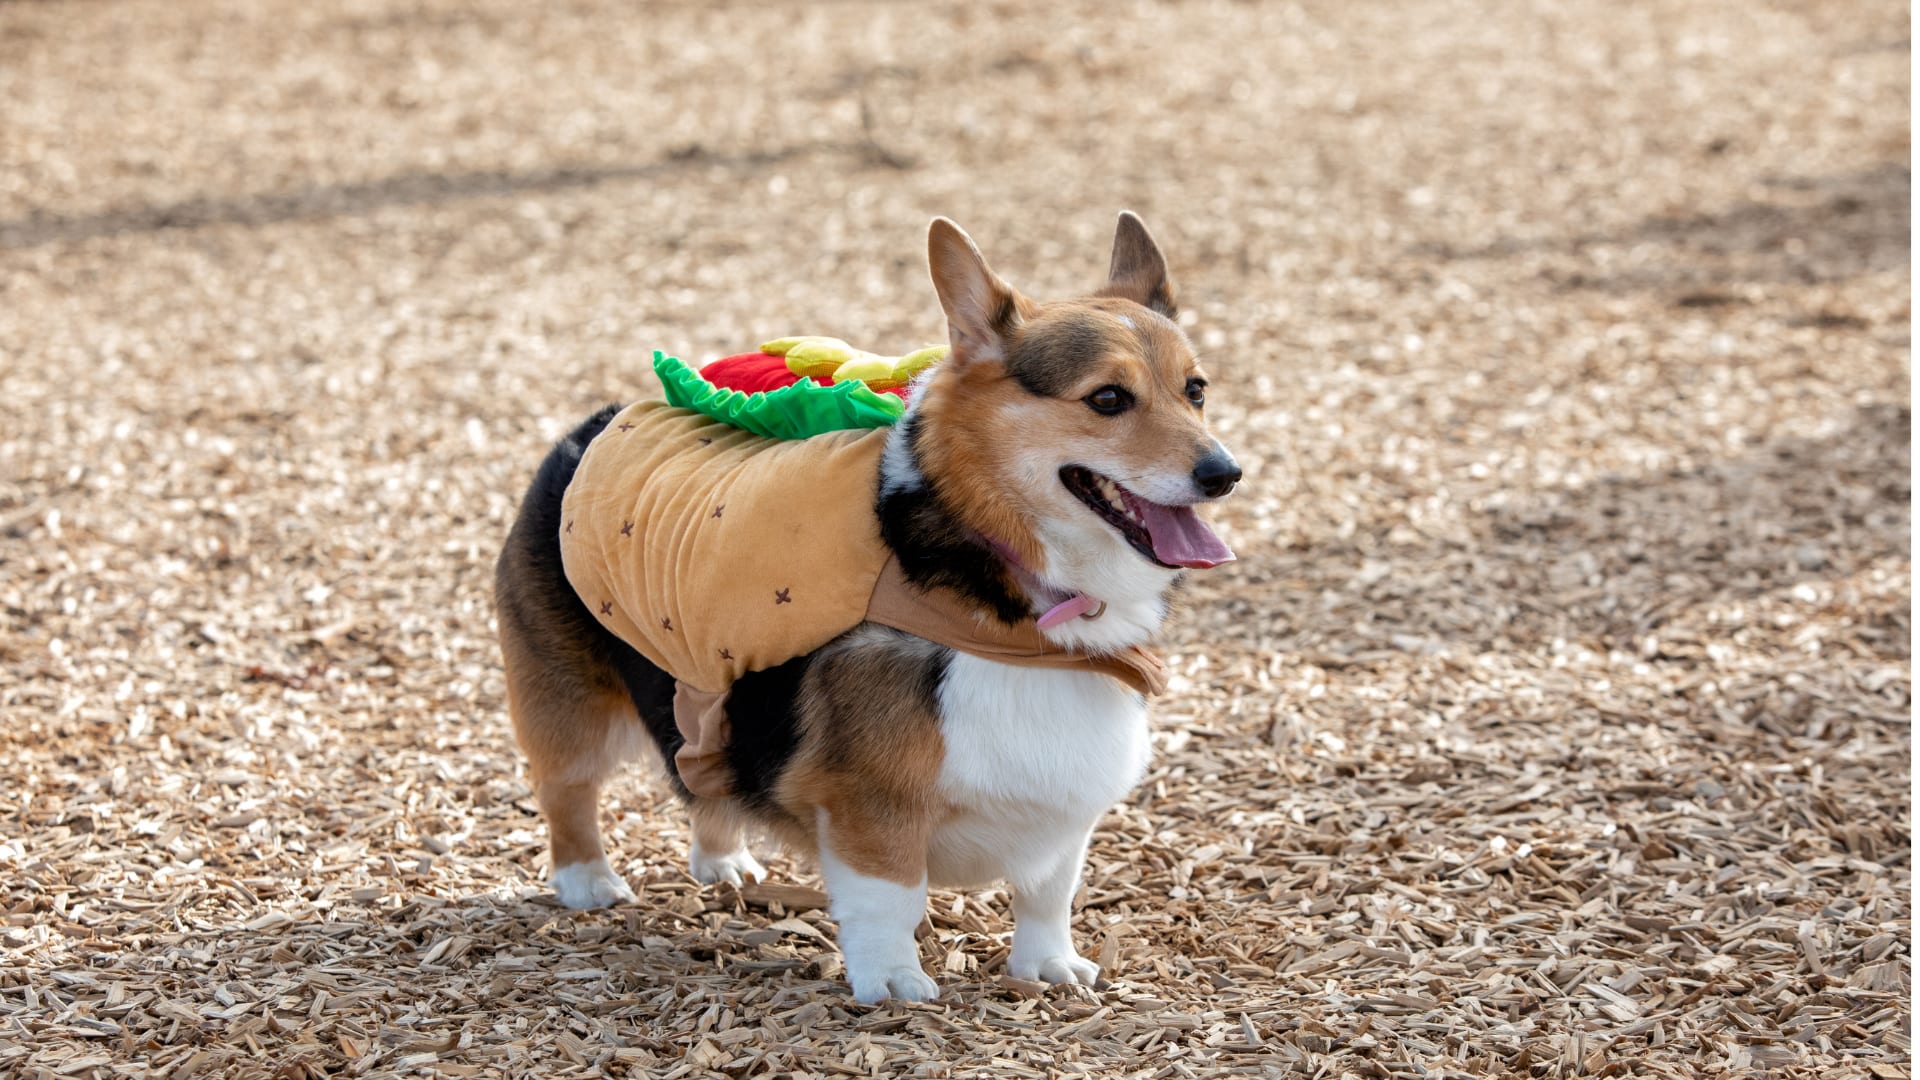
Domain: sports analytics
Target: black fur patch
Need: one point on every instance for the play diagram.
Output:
(1050, 358)
(936, 550)
(762, 709)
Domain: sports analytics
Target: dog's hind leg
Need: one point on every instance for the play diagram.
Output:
(576, 693)
(587, 880)
(572, 732)
(719, 851)
(576, 722)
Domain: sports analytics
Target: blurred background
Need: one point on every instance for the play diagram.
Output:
(1554, 718)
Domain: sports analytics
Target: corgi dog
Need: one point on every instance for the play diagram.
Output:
(1046, 472)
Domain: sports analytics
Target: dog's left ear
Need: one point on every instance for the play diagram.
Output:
(982, 310)
(1138, 271)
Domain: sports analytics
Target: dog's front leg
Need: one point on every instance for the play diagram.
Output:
(876, 881)
(1043, 926)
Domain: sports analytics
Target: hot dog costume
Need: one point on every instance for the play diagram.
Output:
(723, 531)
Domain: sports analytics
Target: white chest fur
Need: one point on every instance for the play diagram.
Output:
(1033, 757)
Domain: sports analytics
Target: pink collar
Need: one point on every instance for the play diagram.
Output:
(1079, 606)
(1076, 606)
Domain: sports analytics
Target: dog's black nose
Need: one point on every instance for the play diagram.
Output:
(1216, 474)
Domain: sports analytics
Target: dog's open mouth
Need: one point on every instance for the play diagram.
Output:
(1173, 536)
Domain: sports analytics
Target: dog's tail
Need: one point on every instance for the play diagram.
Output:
(540, 510)
(531, 591)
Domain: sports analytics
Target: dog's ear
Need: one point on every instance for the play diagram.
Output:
(1138, 271)
(982, 310)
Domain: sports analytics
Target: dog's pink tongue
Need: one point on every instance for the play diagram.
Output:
(1180, 538)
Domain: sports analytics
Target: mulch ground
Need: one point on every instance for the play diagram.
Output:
(1554, 722)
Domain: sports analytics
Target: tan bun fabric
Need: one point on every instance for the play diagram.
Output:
(701, 716)
(714, 552)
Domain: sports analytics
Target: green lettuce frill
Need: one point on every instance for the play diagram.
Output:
(800, 411)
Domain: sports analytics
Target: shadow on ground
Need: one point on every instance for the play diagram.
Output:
(1607, 564)
(326, 201)
(1815, 229)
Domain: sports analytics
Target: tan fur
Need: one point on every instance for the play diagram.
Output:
(718, 824)
(965, 450)
(871, 754)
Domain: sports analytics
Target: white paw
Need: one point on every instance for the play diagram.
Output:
(1059, 968)
(590, 885)
(900, 983)
(732, 867)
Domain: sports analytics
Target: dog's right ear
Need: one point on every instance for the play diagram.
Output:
(982, 310)
(1138, 271)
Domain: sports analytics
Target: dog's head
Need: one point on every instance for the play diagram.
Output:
(1074, 432)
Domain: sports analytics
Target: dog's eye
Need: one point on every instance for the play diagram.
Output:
(1197, 392)
(1109, 400)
